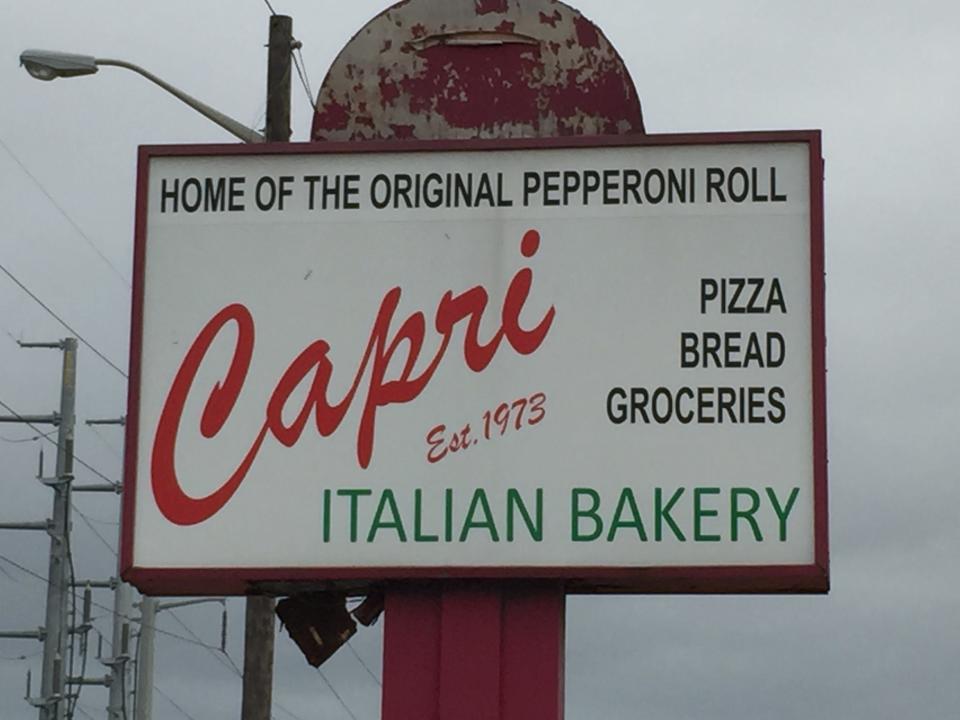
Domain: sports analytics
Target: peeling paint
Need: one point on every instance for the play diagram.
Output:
(388, 82)
(491, 6)
(551, 19)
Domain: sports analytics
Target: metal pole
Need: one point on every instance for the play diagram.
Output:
(259, 620)
(58, 588)
(119, 663)
(148, 619)
(225, 121)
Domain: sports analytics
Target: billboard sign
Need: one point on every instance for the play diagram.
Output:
(599, 361)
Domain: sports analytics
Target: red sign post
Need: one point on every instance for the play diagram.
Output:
(436, 69)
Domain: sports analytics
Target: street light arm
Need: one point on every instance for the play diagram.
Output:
(233, 127)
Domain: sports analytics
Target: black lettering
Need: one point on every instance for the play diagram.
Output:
(773, 187)
(708, 292)
(684, 417)
(402, 185)
(776, 297)
(726, 401)
(715, 178)
(236, 194)
(654, 191)
(617, 406)
(433, 190)
(591, 183)
(171, 194)
(756, 416)
(502, 199)
(711, 349)
(351, 191)
(464, 191)
(776, 350)
(610, 186)
(631, 186)
(776, 400)
(689, 357)
(638, 404)
(754, 353)
(194, 185)
(738, 195)
(754, 307)
(485, 191)
(571, 184)
(755, 181)
(678, 186)
(380, 202)
(732, 307)
(551, 187)
(732, 349)
(705, 403)
(531, 186)
(662, 416)
(214, 194)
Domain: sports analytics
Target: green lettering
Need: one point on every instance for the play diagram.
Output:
(327, 496)
(661, 513)
(387, 501)
(577, 512)
(782, 513)
(448, 515)
(418, 535)
(737, 514)
(626, 501)
(479, 501)
(354, 496)
(514, 504)
(700, 512)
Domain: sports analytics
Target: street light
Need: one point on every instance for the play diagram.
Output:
(48, 65)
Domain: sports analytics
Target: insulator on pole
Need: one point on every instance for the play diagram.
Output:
(87, 601)
(223, 630)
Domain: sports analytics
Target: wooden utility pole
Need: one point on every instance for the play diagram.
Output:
(279, 70)
(260, 619)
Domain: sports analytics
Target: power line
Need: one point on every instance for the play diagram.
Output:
(365, 666)
(336, 694)
(84, 712)
(64, 213)
(113, 451)
(21, 568)
(15, 441)
(53, 442)
(304, 80)
(230, 662)
(174, 703)
(60, 320)
(270, 7)
(86, 521)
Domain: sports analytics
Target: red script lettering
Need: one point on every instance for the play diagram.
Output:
(314, 361)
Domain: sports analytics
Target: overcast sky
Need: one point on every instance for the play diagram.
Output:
(878, 77)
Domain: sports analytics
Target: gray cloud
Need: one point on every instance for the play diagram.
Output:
(877, 77)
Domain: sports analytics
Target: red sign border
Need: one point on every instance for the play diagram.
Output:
(813, 578)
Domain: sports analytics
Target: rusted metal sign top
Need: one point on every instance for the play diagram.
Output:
(477, 69)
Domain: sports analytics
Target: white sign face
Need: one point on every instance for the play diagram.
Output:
(559, 362)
